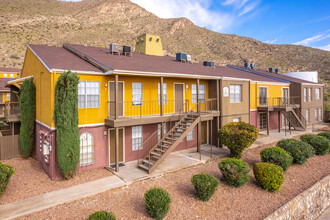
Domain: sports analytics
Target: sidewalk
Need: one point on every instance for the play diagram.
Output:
(47, 200)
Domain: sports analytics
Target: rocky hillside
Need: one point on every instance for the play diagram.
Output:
(100, 22)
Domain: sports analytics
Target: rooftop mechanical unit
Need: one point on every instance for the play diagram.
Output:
(271, 69)
(188, 58)
(277, 70)
(114, 48)
(247, 65)
(181, 57)
(126, 49)
(208, 63)
(252, 65)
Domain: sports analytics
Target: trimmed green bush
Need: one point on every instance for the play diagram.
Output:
(157, 202)
(66, 121)
(269, 176)
(101, 215)
(238, 136)
(321, 144)
(325, 134)
(205, 185)
(27, 105)
(277, 156)
(5, 173)
(299, 150)
(235, 172)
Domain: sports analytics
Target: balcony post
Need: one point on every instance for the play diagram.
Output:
(218, 96)
(117, 149)
(267, 122)
(198, 104)
(279, 121)
(161, 95)
(116, 97)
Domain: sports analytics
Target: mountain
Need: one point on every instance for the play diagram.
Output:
(101, 22)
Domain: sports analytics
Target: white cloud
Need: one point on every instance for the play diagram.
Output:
(199, 11)
(311, 40)
(326, 47)
(271, 41)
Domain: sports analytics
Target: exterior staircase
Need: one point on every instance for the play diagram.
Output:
(295, 117)
(169, 141)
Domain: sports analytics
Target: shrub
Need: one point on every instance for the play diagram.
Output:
(101, 215)
(66, 121)
(235, 172)
(238, 136)
(320, 144)
(205, 185)
(27, 105)
(299, 150)
(277, 156)
(5, 173)
(269, 176)
(325, 134)
(157, 202)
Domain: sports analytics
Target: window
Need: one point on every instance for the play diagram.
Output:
(235, 93)
(165, 130)
(11, 75)
(5, 75)
(320, 114)
(236, 119)
(316, 114)
(137, 94)
(8, 96)
(88, 94)
(190, 135)
(317, 93)
(305, 94)
(307, 116)
(164, 93)
(262, 120)
(194, 93)
(309, 94)
(86, 149)
(136, 137)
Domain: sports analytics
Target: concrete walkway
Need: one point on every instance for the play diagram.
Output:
(47, 200)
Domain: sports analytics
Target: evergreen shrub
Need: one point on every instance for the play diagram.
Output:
(299, 150)
(205, 185)
(157, 202)
(101, 215)
(321, 144)
(235, 172)
(277, 156)
(269, 176)
(325, 134)
(5, 173)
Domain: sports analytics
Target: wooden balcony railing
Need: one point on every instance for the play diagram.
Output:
(12, 109)
(277, 101)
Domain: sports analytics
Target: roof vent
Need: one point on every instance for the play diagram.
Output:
(247, 65)
(114, 48)
(208, 63)
(271, 69)
(127, 50)
(277, 70)
(181, 57)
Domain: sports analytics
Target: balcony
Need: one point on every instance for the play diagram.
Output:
(12, 112)
(277, 104)
(150, 112)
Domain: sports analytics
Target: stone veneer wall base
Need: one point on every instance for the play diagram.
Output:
(307, 205)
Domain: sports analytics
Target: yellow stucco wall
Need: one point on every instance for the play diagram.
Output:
(149, 44)
(274, 91)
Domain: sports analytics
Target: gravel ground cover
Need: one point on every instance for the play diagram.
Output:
(247, 202)
(30, 180)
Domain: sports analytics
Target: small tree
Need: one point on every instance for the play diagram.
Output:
(27, 104)
(238, 136)
(66, 121)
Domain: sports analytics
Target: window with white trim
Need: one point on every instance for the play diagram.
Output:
(11, 76)
(5, 75)
(305, 94)
(235, 93)
(320, 114)
(136, 137)
(317, 93)
(89, 94)
(8, 96)
(316, 114)
(159, 130)
(201, 95)
(190, 135)
(164, 93)
(309, 94)
(137, 93)
(86, 149)
(307, 116)
(236, 119)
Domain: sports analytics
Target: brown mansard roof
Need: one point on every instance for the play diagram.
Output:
(3, 82)
(60, 58)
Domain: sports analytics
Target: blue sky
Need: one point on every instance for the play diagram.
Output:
(302, 22)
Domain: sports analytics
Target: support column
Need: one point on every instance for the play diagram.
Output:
(198, 104)
(117, 149)
(279, 121)
(199, 139)
(116, 97)
(267, 122)
(161, 95)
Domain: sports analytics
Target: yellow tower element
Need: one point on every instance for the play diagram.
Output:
(149, 44)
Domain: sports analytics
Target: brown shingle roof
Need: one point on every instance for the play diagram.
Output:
(60, 58)
(3, 82)
(8, 70)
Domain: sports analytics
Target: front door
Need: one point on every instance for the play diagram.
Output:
(112, 147)
(262, 95)
(262, 120)
(178, 97)
(112, 104)
(285, 96)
